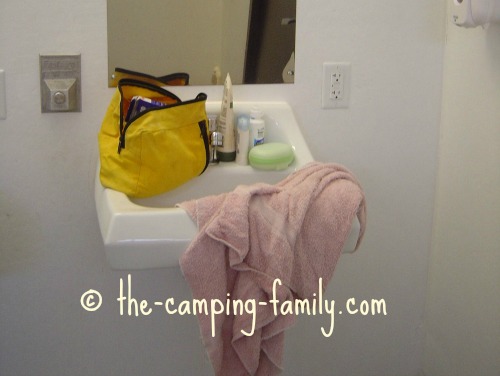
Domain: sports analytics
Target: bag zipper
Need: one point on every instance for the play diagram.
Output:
(145, 85)
(123, 129)
(204, 133)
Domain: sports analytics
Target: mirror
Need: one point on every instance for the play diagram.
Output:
(253, 40)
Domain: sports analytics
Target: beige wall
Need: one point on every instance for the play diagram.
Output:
(463, 308)
(190, 36)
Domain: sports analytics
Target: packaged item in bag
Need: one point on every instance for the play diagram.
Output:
(140, 104)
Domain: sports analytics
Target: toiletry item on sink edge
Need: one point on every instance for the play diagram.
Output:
(227, 152)
(242, 140)
(271, 156)
(257, 127)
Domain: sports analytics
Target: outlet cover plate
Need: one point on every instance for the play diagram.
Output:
(336, 85)
(3, 99)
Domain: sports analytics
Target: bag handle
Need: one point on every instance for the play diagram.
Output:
(173, 79)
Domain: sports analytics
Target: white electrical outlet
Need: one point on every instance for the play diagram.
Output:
(336, 85)
(3, 101)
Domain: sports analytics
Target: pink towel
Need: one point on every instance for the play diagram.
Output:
(294, 230)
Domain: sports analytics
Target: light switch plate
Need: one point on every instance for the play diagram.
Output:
(3, 99)
(60, 83)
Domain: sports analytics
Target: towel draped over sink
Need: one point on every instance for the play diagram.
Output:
(293, 231)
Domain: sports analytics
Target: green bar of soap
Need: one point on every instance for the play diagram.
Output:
(271, 156)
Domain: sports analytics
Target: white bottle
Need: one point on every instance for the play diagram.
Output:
(257, 127)
(242, 141)
(227, 152)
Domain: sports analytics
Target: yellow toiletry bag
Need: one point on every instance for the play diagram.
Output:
(150, 141)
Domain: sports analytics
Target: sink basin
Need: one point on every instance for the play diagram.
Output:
(153, 233)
